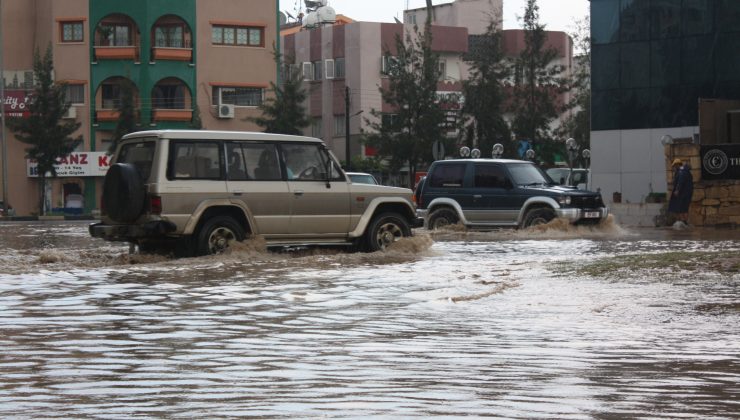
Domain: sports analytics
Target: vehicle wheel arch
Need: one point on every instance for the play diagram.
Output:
(536, 202)
(453, 205)
(234, 212)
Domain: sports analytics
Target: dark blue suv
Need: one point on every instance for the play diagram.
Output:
(483, 193)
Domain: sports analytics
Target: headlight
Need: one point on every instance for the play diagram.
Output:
(564, 200)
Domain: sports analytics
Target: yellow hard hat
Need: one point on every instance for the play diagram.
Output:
(677, 162)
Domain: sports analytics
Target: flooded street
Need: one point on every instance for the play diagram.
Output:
(456, 324)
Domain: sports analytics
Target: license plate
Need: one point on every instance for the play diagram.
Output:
(592, 214)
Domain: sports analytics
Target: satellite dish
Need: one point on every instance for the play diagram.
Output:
(283, 19)
(311, 20)
(326, 15)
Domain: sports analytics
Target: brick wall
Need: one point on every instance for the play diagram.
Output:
(714, 203)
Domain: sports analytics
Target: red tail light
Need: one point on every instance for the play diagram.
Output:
(155, 204)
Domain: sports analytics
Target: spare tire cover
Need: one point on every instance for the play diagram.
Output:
(123, 193)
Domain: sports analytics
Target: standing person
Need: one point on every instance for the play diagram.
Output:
(683, 190)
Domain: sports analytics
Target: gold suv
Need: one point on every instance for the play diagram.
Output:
(195, 192)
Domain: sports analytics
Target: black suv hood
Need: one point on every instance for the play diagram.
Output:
(560, 190)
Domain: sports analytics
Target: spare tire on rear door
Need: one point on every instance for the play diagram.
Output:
(123, 193)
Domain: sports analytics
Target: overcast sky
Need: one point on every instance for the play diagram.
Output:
(558, 15)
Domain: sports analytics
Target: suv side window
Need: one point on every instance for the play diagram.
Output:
(248, 161)
(194, 160)
(490, 176)
(309, 162)
(448, 175)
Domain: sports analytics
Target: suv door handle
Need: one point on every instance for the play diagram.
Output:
(298, 192)
(477, 196)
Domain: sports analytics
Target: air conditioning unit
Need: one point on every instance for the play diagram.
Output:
(226, 111)
(71, 113)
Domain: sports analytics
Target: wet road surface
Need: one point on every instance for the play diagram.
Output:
(458, 324)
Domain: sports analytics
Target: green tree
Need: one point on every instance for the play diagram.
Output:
(578, 124)
(406, 136)
(48, 135)
(127, 120)
(537, 86)
(284, 113)
(485, 93)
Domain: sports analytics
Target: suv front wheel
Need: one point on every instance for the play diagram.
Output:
(386, 229)
(217, 234)
(538, 216)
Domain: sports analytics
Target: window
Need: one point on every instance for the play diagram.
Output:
(340, 125)
(388, 65)
(330, 69)
(309, 162)
(74, 93)
(111, 95)
(72, 31)
(307, 71)
(141, 155)
(604, 21)
(170, 36)
(168, 97)
(451, 175)
(339, 71)
(252, 161)
(317, 67)
(390, 121)
(195, 160)
(442, 70)
(118, 35)
(316, 127)
(239, 96)
(238, 35)
(490, 176)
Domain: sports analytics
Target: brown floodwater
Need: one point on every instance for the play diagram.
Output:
(449, 324)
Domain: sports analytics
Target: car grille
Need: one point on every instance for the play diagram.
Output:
(587, 202)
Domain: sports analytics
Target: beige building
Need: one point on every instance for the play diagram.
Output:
(190, 61)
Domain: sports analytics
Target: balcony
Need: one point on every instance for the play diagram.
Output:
(116, 53)
(176, 54)
(106, 115)
(172, 114)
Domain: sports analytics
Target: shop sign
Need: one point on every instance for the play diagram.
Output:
(720, 161)
(16, 103)
(77, 164)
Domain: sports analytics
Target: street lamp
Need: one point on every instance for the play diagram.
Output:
(498, 150)
(465, 151)
(530, 155)
(475, 153)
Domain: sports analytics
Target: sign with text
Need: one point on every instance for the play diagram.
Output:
(78, 164)
(16, 103)
(720, 161)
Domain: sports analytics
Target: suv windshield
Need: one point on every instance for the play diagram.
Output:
(140, 155)
(528, 174)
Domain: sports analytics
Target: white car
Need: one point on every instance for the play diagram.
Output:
(362, 178)
(563, 176)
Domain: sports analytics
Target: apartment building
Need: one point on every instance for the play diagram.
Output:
(190, 62)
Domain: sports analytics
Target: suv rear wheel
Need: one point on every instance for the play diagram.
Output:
(538, 216)
(441, 218)
(217, 234)
(386, 229)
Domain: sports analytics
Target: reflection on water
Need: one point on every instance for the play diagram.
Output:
(474, 324)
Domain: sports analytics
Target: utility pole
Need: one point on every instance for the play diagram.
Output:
(348, 158)
(3, 139)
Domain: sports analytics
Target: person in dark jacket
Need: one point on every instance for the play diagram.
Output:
(683, 190)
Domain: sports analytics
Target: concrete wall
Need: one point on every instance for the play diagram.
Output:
(631, 162)
(714, 203)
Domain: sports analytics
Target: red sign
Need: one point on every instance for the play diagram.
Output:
(16, 103)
